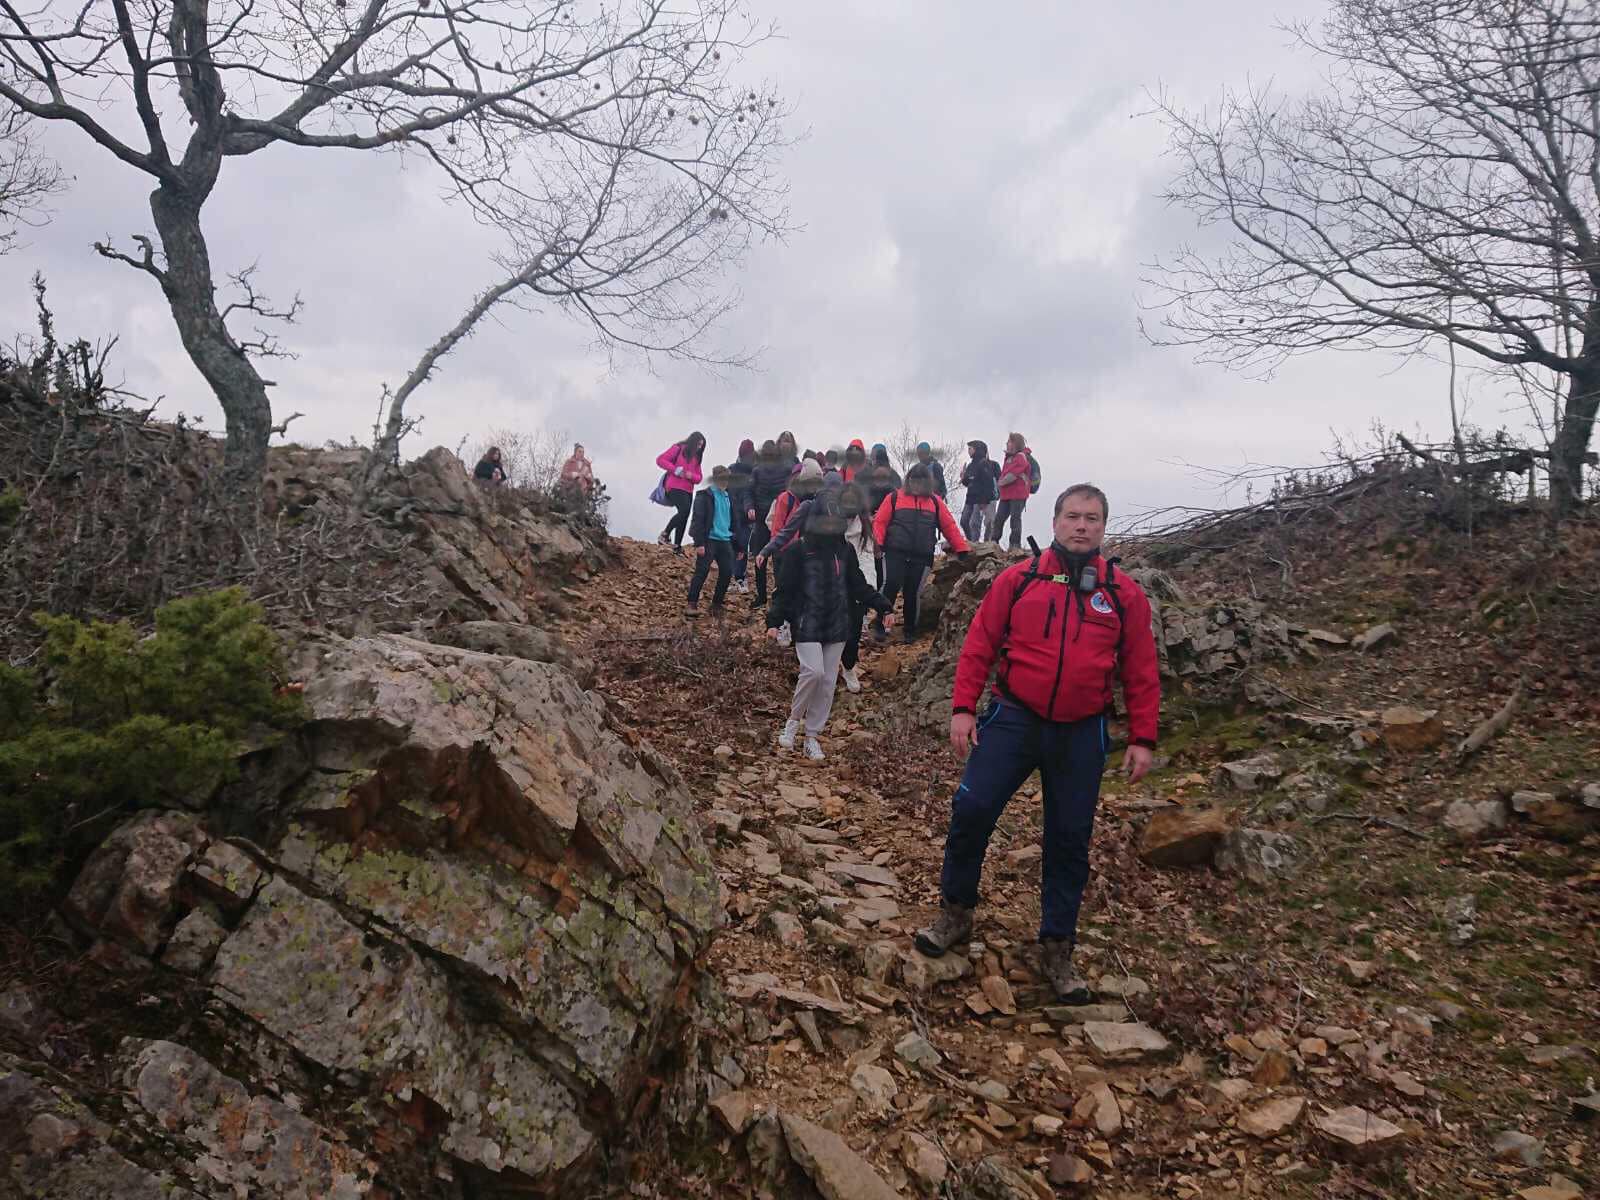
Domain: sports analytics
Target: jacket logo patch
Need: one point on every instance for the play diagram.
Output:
(1099, 603)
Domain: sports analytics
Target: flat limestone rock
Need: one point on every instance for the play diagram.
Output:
(1183, 837)
(1124, 1041)
(863, 873)
(1273, 1117)
(1411, 730)
(838, 1171)
(1359, 1134)
(1077, 1014)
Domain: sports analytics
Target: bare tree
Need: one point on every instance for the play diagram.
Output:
(494, 92)
(1444, 191)
(27, 178)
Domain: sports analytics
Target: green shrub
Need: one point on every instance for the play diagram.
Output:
(121, 722)
(11, 505)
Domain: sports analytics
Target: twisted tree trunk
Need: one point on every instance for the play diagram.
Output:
(190, 288)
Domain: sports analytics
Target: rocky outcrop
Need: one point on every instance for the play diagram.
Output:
(1199, 643)
(470, 554)
(467, 919)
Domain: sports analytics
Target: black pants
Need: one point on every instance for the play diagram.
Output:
(714, 551)
(682, 501)
(902, 572)
(1010, 510)
(760, 535)
(852, 646)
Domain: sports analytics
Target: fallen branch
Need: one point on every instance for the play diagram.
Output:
(1480, 737)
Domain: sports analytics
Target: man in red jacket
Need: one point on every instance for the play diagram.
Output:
(1060, 629)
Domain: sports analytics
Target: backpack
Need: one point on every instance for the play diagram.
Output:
(1034, 477)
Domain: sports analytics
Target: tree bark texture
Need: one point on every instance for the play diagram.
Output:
(191, 293)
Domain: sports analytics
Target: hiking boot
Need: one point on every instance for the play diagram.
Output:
(691, 609)
(717, 610)
(880, 635)
(665, 539)
(743, 587)
(954, 924)
(1070, 987)
(814, 749)
(852, 681)
(678, 550)
(791, 730)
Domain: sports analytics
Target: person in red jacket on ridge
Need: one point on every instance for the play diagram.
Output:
(1061, 628)
(1014, 489)
(907, 527)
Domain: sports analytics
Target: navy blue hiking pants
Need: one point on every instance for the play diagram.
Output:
(1070, 758)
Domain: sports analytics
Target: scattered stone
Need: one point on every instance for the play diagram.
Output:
(129, 888)
(1273, 1117)
(1326, 637)
(807, 1022)
(786, 927)
(1358, 970)
(194, 943)
(1470, 819)
(1559, 1188)
(1410, 1020)
(915, 1050)
(920, 972)
(998, 1117)
(1512, 1145)
(1411, 730)
(1274, 1068)
(1124, 1041)
(1312, 1048)
(838, 1171)
(992, 1089)
(877, 960)
(1586, 1108)
(875, 1086)
(1233, 1090)
(1046, 1126)
(726, 823)
(925, 1161)
(1183, 837)
(1258, 854)
(1126, 987)
(1378, 635)
(1336, 1035)
(1460, 913)
(21, 1014)
(1077, 1014)
(724, 752)
(1449, 1012)
(998, 993)
(1068, 1170)
(999, 1178)
(1546, 1056)
(1359, 1134)
(736, 1110)
(1407, 1084)
(863, 873)
(1254, 773)
(1099, 1105)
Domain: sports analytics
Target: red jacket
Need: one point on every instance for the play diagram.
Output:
(1015, 464)
(1063, 649)
(920, 509)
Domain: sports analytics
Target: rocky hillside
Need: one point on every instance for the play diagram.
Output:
(529, 904)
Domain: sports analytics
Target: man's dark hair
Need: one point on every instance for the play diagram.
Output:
(1085, 489)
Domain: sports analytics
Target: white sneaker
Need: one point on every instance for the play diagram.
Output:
(784, 637)
(791, 730)
(852, 681)
(744, 587)
(814, 749)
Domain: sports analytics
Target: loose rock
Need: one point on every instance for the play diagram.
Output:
(1124, 1042)
(1359, 1134)
(837, 1170)
(1411, 730)
(1182, 837)
(1470, 819)
(1273, 1117)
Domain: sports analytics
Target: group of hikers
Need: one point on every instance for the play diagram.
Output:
(845, 535)
(576, 476)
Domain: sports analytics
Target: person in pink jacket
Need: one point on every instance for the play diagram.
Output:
(1014, 489)
(681, 462)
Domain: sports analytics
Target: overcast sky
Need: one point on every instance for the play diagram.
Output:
(976, 190)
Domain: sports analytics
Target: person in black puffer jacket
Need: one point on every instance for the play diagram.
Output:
(820, 585)
(769, 479)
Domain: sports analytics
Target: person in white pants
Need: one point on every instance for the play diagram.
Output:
(819, 586)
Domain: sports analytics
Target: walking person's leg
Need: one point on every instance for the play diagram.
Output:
(682, 501)
(894, 577)
(697, 581)
(852, 648)
(809, 656)
(759, 537)
(968, 511)
(916, 574)
(821, 702)
(1008, 740)
(1016, 523)
(1071, 766)
(723, 553)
